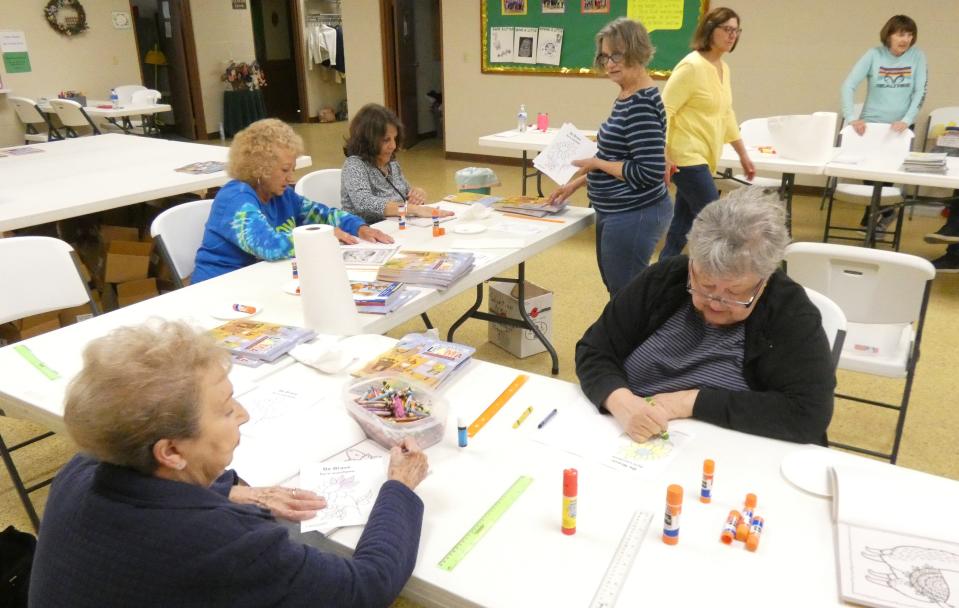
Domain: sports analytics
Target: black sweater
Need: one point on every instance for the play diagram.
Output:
(786, 362)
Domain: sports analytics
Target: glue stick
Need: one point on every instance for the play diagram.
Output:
(461, 432)
(742, 530)
(674, 506)
(729, 529)
(436, 222)
(570, 488)
(403, 216)
(706, 491)
(755, 530)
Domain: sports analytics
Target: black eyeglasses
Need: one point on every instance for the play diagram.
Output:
(603, 58)
(719, 300)
(730, 30)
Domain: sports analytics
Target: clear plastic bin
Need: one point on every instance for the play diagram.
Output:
(386, 432)
(476, 179)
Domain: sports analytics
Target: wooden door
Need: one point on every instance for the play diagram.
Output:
(180, 49)
(273, 38)
(404, 52)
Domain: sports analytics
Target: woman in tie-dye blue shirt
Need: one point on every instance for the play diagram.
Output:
(253, 215)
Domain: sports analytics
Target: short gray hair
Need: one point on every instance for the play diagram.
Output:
(743, 233)
(138, 385)
(632, 36)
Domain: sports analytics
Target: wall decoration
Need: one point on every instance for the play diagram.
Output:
(66, 17)
(553, 6)
(121, 20)
(595, 6)
(514, 7)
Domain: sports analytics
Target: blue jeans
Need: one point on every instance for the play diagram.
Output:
(694, 190)
(625, 241)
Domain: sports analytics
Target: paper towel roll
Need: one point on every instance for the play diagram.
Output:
(324, 286)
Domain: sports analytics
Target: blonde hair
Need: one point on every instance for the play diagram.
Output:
(138, 385)
(254, 149)
(632, 36)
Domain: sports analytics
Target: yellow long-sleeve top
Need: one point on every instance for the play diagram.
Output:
(699, 112)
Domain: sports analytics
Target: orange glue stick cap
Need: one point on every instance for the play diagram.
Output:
(742, 530)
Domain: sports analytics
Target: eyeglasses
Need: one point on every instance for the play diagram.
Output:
(730, 30)
(603, 58)
(719, 300)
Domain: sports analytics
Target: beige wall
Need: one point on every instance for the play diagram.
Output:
(222, 33)
(92, 62)
(791, 60)
(364, 59)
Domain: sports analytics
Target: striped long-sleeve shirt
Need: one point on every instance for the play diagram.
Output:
(634, 133)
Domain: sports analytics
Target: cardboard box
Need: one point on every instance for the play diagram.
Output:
(29, 327)
(118, 233)
(135, 291)
(69, 316)
(503, 302)
(126, 261)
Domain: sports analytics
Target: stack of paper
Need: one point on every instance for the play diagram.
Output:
(379, 297)
(896, 537)
(925, 162)
(420, 358)
(253, 342)
(949, 138)
(470, 198)
(436, 268)
(528, 205)
(367, 256)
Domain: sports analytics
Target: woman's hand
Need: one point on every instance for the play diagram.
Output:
(671, 169)
(426, 211)
(590, 164)
(408, 464)
(899, 126)
(562, 193)
(368, 233)
(859, 126)
(678, 404)
(417, 196)
(293, 504)
(639, 419)
(748, 168)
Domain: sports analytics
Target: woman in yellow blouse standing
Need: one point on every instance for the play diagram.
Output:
(699, 120)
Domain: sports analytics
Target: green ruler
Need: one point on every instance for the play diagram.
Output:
(480, 528)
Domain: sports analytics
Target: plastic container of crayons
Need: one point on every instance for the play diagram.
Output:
(390, 408)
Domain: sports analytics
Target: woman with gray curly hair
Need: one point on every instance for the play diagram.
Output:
(722, 335)
(624, 181)
(147, 516)
(254, 214)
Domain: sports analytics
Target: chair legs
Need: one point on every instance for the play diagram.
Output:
(22, 490)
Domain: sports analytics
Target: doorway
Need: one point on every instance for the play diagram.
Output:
(275, 39)
(167, 53)
(413, 66)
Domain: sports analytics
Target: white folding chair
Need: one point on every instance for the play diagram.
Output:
(36, 124)
(755, 133)
(892, 155)
(72, 116)
(126, 92)
(178, 233)
(884, 295)
(833, 322)
(147, 122)
(38, 274)
(322, 186)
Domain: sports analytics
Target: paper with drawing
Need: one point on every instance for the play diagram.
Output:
(349, 487)
(568, 145)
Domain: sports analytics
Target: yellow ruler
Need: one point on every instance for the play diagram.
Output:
(494, 407)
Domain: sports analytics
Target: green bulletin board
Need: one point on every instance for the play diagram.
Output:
(671, 24)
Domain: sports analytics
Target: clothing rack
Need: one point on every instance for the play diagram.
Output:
(325, 18)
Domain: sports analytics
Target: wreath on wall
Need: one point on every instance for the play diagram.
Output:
(72, 21)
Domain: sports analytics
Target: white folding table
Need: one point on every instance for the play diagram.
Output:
(120, 115)
(531, 139)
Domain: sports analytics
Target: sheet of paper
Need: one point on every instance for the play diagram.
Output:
(501, 45)
(568, 145)
(878, 147)
(549, 45)
(524, 44)
(349, 487)
(649, 457)
(518, 227)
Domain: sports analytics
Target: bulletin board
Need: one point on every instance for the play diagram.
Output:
(671, 24)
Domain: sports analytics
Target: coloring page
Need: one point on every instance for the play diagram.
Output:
(350, 488)
(550, 45)
(568, 145)
(501, 45)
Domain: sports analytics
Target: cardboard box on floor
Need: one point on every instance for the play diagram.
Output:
(28, 327)
(503, 302)
(125, 257)
(69, 316)
(132, 292)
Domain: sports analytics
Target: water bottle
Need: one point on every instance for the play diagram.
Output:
(114, 98)
(521, 118)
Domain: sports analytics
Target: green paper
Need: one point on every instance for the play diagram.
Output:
(15, 63)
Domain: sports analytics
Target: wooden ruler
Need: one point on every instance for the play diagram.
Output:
(481, 527)
(494, 407)
(622, 561)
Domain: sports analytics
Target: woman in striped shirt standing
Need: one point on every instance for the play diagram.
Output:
(624, 181)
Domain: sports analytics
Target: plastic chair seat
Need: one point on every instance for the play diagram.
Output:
(862, 194)
(879, 349)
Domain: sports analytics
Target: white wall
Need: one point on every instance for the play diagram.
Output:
(92, 62)
(364, 59)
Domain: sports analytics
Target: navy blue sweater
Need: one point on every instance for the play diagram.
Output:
(114, 537)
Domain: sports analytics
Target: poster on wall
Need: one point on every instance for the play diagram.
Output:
(595, 6)
(553, 6)
(549, 45)
(524, 45)
(501, 45)
(514, 7)
(13, 46)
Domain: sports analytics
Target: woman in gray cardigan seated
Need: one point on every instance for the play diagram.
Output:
(148, 517)
(372, 184)
(723, 335)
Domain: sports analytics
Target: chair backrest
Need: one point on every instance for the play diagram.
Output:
(833, 322)
(145, 97)
(322, 186)
(178, 233)
(938, 120)
(39, 274)
(72, 115)
(755, 132)
(870, 285)
(125, 92)
(27, 111)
